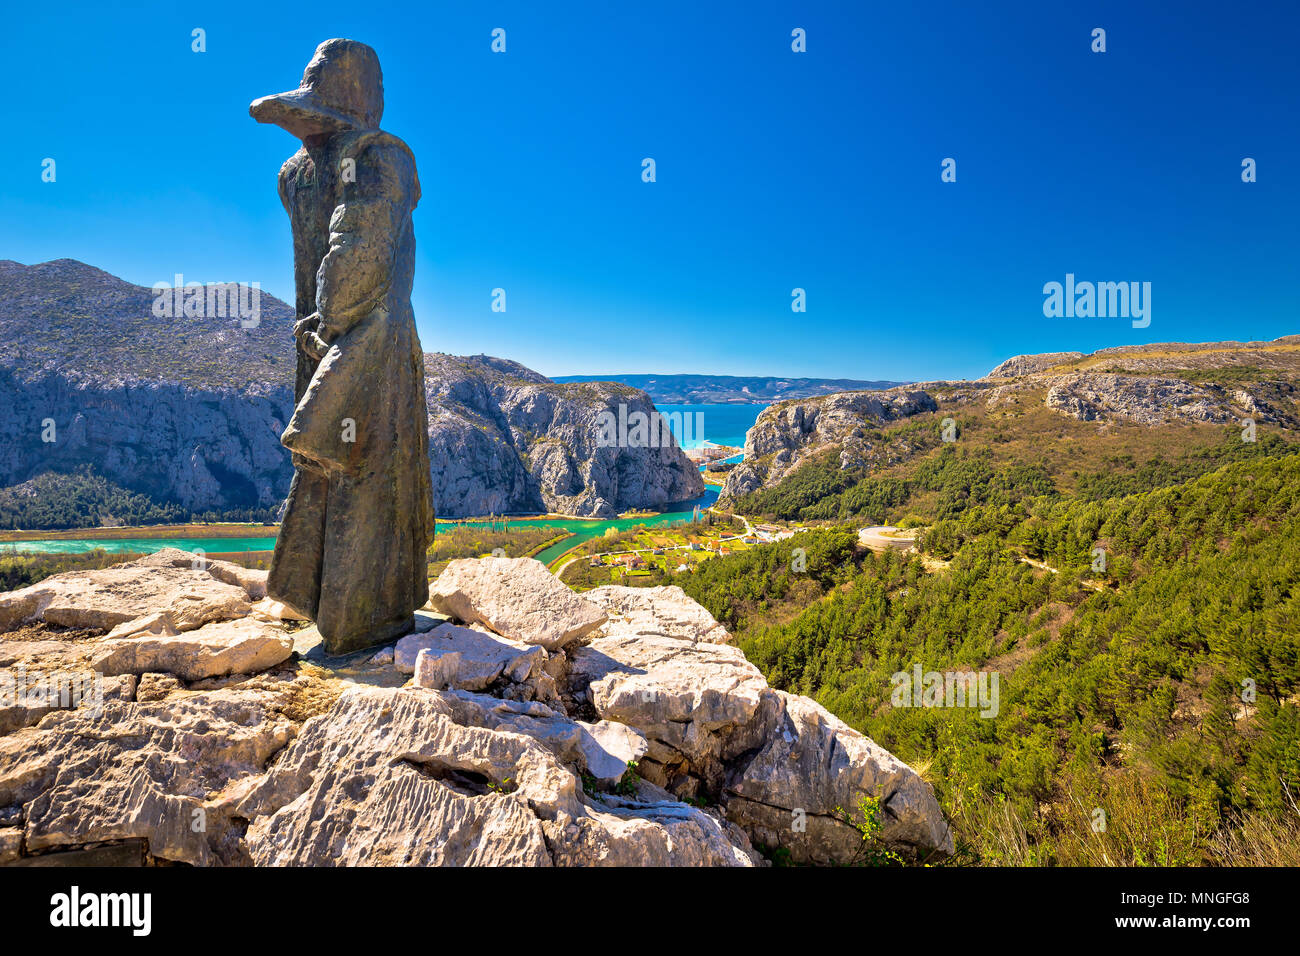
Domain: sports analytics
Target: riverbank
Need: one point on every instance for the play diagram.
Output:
(238, 538)
(221, 530)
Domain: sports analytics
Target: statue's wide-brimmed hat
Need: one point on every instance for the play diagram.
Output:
(342, 88)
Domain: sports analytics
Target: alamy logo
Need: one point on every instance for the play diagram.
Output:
(641, 430)
(81, 689)
(73, 909)
(1102, 300)
(950, 689)
(215, 300)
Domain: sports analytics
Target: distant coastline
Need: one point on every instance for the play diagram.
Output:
(730, 389)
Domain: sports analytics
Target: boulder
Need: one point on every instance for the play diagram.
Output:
(389, 777)
(476, 658)
(515, 597)
(106, 598)
(610, 749)
(252, 580)
(805, 788)
(602, 749)
(697, 704)
(664, 610)
(215, 650)
(269, 610)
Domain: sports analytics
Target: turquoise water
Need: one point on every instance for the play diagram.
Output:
(720, 424)
(583, 529)
(138, 545)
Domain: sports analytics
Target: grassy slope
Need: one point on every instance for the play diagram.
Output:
(1127, 700)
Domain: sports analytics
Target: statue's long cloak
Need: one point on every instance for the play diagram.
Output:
(351, 554)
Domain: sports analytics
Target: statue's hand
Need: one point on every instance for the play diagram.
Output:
(315, 346)
(309, 340)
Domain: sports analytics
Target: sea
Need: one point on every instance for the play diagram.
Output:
(719, 424)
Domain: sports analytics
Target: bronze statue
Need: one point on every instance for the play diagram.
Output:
(351, 554)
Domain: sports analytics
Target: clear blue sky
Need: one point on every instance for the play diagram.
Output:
(775, 170)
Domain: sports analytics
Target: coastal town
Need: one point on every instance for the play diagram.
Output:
(714, 460)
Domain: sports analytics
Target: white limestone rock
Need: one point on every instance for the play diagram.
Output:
(697, 704)
(163, 584)
(665, 610)
(515, 597)
(143, 771)
(227, 647)
(814, 768)
(401, 782)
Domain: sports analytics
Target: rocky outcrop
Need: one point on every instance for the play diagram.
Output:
(215, 650)
(166, 592)
(481, 656)
(428, 784)
(605, 750)
(699, 705)
(516, 598)
(787, 434)
(1147, 400)
(1150, 386)
(504, 439)
(664, 610)
(1162, 383)
(815, 769)
(627, 730)
(1019, 365)
(188, 413)
(160, 771)
(472, 658)
(44, 692)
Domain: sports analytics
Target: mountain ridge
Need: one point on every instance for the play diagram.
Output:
(189, 411)
(698, 389)
(1186, 391)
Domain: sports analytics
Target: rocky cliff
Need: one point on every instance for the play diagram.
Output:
(1166, 384)
(787, 433)
(505, 439)
(182, 410)
(1161, 384)
(188, 411)
(520, 724)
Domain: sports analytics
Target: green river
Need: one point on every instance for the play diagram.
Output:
(583, 530)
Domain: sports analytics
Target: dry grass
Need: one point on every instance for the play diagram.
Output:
(1135, 823)
(1260, 839)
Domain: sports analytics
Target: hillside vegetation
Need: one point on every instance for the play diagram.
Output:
(1148, 711)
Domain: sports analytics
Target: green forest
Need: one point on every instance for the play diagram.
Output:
(84, 499)
(1148, 661)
